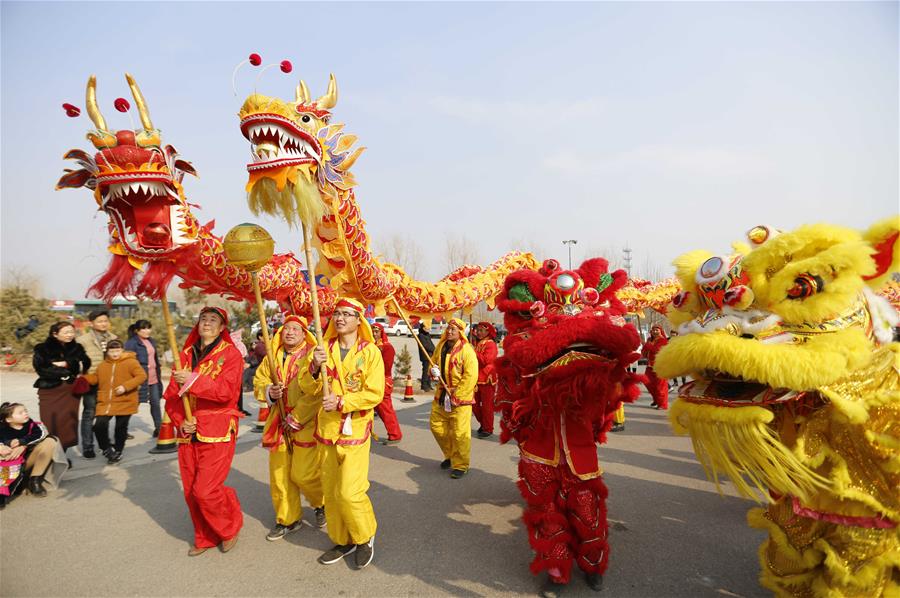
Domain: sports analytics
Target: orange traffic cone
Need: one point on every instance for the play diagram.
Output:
(165, 442)
(260, 422)
(408, 391)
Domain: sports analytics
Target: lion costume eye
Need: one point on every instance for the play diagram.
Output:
(711, 269)
(806, 285)
(521, 292)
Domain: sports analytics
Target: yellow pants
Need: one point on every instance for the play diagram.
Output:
(345, 479)
(619, 416)
(453, 432)
(293, 474)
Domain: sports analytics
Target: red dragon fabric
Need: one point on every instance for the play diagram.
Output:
(563, 374)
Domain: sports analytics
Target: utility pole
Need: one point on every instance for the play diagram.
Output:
(570, 242)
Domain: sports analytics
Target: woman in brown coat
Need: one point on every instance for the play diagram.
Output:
(118, 379)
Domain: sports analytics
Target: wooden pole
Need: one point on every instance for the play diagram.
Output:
(270, 353)
(176, 353)
(418, 342)
(314, 296)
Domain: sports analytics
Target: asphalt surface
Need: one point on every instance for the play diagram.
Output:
(124, 530)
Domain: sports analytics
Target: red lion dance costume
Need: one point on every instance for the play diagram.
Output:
(563, 374)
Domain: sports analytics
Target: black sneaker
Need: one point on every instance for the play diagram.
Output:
(337, 553)
(618, 428)
(107, 453)
(156, 432)
(483, 434)
(114, 457)
(457, 473)
(390, 441)
(365, 553)
(280, 531)
(594, 581)
(320, 517)
(552, 589)
(89, 453)
(445, 464)
(129, 436)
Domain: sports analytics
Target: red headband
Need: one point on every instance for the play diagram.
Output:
(350, 304)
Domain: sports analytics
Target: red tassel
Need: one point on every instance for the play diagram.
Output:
(156, 280)
(119, 279)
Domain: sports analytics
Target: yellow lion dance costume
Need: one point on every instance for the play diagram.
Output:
(796, 393)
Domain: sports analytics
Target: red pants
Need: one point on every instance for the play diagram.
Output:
(658, 388)
(483, 409)
(566, 519)
(214, 507)
(385, 410)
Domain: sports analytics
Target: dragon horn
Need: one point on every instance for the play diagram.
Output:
(91, 101)
(141, 104)
(302, 92)
(329, 100)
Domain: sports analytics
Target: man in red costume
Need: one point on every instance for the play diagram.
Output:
(210, 378)
(562, 376)
(656, 386)
(486, 352)
(385, 408)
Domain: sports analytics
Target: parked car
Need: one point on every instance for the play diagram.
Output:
(398, 329)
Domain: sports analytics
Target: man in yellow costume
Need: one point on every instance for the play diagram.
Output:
(295, 458)
(352, 363)
(451, 413)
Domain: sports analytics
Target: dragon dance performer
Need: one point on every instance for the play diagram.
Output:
(293, 470)
(656, 386)
(206, 444)
(385, 408)
(486, 352)
(344, 427)
(562, 375)
(451, 412)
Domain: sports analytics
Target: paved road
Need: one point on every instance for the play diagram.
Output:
(124, 530)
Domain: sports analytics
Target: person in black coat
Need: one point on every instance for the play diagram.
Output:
(425, 339)
(58, 361)
(142, 344)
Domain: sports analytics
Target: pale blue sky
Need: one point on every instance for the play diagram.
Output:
(669, 126)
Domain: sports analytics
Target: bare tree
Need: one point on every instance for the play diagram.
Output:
(403, 251)
(460, 251)
(610, 253)
(651, 270)
(529, 244)
(20, 277)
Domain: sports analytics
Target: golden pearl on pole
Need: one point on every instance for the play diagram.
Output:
(248, 246)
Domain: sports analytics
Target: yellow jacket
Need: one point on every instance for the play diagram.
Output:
(462, 371)
(359, 380)
(303, 407)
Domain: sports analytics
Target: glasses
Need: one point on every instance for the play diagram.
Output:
(343, 315)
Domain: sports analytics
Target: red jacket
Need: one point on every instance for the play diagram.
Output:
(486, 352)
(213, 393)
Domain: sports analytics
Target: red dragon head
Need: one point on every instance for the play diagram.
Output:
(569, 344)
(137, 182)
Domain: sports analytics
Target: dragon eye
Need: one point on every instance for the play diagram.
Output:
(565, 282)
(710, 268)
(305, 118)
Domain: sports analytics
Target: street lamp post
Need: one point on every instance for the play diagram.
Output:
(570, 242)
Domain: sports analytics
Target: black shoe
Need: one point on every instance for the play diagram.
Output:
(245, 412)
(114, 457)
(594, 581)
(69, 461)
(618, 428)
(336, 554)
(483, 434)
(280, 531)
(129, 436)
(89, 453)
(552, 589)
(320, 517)
(390, 441)
(445, 464)
(457, 473)
(365, 553)
(3, 500)
(156, 432)
(36, 486)
(107, 453)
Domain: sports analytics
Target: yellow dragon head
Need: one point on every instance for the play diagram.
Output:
(297, 153)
